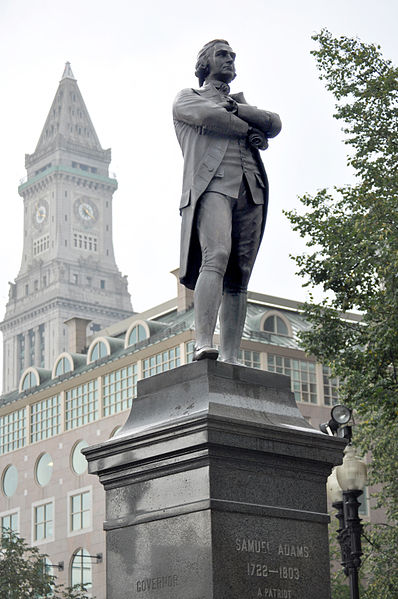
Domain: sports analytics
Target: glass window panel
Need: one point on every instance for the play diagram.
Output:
(43, 521)
(75, 501)
(137, 334)
(10, 522)
(59, 370)
(161, 362)
(95, 353)
(40, 513)
(80, 511)
(133, 336)
(76, 521)
(45, 419)
(330, 387)
(113, 399)
(250, 358)
(49, 511)
(79, 462)
(86, 401)
(29, 381)
(303, 379)
(269, 324)
(10, 481)
(281, 327)
(44, 469)
(63, 366)
(86, 500)
(81, 568)
(85, 519)
(189, 349)
(39, 532)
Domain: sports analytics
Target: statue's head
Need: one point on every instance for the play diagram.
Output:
(216, 60)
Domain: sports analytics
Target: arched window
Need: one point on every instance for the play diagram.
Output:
(63, 366)
(29, 380)
(275, 324)
(99, 351)
(138, 333)
(80, 570)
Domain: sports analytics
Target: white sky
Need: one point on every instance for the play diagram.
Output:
(130, 59)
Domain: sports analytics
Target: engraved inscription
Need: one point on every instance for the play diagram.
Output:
(156, 583)
(284, 572)
(252, 545)
(278, 562)
(272, 593)
(257, 569)
(294, 550)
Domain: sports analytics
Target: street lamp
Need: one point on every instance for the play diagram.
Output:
(337, 425)
(344, 486)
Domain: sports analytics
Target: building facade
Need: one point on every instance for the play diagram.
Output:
(68, 267)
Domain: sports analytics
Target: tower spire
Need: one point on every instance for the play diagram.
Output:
(68, 74)
(68, 121)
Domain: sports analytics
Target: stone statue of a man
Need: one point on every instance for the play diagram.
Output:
(224, 197)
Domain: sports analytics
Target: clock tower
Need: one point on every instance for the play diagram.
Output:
(68, 267)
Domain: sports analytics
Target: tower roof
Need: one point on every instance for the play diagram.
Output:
(68, 121)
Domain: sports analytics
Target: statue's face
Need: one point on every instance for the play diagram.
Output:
(221, 63)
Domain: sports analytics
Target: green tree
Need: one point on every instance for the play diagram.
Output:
(351, 233)
(23, 574)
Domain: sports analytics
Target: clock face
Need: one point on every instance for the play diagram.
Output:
(86, 211)
(40, 213)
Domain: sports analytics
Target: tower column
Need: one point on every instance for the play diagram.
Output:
(37, 346)
(23, 351)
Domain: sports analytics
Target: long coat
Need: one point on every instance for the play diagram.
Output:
(203, 130)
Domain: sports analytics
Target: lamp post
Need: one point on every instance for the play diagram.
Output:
(344, 486)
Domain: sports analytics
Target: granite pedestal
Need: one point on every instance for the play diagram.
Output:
(215, 489)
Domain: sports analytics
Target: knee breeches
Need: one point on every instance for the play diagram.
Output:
(229, 232)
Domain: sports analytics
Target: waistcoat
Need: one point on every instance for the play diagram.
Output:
(238, 161)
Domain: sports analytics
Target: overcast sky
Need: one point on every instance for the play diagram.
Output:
(130, 59)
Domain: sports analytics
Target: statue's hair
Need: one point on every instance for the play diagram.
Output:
(202, 63)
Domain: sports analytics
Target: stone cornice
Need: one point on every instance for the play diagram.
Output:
(76, 307)
(68, 146)
(76, 175)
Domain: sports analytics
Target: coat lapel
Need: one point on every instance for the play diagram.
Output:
(208, 92)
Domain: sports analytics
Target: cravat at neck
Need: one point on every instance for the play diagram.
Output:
(222, 87)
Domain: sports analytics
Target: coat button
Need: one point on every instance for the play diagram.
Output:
(211, 169)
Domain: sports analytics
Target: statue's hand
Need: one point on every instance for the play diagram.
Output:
(230, 105)
(257, 139)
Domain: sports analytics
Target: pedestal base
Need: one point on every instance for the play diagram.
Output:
(216, 489)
